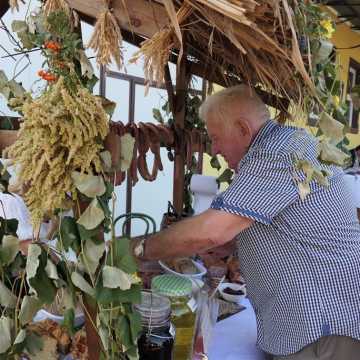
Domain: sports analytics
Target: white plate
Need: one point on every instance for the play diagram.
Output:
(232, 298)
(201, 271)
(43, 315)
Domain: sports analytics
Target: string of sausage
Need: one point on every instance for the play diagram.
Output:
(134, 131)
(112, 143)
(149, 136)
(144, 145)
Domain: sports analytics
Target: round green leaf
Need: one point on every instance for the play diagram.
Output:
(5, 331)
(93, 216)
(92, 254)
(51, 270)
(20, 337)
(7, 298)
(329, 153)
(9, 249)
(331, 128)
(116, 278)
(127, 147)
(29, 307)
(69, 233)
(19, 25)
(89, 185)
(79, 281)
(32, 261)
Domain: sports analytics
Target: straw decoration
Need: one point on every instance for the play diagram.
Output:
(14, 4)
(106, 39)
(156, 50)
(56, 5)
(243, 40)
(249, 41)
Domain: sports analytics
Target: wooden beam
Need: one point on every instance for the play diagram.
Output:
(4, 7)
(169, 88)
(141, 17)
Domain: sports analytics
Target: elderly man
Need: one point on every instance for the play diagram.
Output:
(300, 258)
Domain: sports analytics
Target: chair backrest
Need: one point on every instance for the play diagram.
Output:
(144, 217)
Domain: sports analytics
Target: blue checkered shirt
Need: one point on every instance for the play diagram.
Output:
(300, 258)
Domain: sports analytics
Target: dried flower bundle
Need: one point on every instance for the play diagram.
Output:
(60, 134)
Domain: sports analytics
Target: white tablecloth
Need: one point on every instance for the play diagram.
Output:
(235, 337)
(353, 183)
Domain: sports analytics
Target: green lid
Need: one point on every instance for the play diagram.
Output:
(171, 285)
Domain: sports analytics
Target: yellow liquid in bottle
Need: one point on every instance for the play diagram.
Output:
(184, 321)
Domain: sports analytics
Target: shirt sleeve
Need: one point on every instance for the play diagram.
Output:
(263, 187)
(14, 207)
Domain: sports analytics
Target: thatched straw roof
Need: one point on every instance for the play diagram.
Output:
(249, 41)
(228, 41)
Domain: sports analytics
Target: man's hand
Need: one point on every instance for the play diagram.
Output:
(222, 251)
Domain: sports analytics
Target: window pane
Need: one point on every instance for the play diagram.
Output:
(118, 90)
(128, 51)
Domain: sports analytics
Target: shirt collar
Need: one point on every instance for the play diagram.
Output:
(262, 134)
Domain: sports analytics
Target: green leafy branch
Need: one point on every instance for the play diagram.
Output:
(104, 276)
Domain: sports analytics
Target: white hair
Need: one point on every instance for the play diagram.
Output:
(233, 100)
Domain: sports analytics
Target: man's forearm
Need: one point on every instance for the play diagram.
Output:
(184, 238)
(210, 229)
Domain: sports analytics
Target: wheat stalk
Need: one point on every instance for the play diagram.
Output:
(106, 39)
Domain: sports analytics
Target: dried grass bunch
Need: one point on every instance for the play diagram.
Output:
(156, 50)
(56, 5)
(61, 133)
(244, 40)
(106, 39)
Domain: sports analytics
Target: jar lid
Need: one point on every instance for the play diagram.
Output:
(153, 308)
(171, 285)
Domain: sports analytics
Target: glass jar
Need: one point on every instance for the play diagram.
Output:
(178, 290)
(157, 337)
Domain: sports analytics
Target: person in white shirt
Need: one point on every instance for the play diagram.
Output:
(14, 207)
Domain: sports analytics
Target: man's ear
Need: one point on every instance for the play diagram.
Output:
(244, 129)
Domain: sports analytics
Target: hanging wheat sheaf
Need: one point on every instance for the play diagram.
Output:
(56, 5)
(106, 40)
(14, 4)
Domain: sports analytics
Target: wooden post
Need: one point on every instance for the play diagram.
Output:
(92, 338)
(182, 81)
